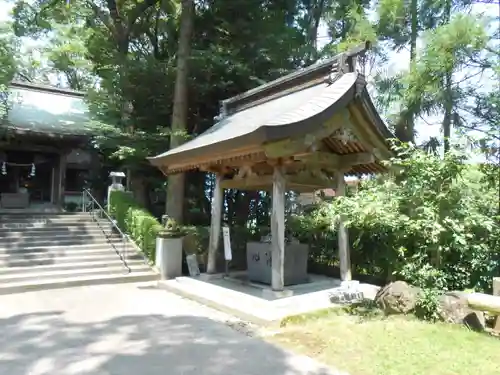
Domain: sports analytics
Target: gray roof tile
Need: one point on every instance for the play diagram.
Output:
(45, 110)
(292, 108)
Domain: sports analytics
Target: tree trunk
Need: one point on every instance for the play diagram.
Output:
(139, 188)
(413, 31)
(448, 109)
(405, 128)
(448, 97)
(175, 186)
(314, 14)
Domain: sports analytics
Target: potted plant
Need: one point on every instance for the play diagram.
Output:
(169, 249)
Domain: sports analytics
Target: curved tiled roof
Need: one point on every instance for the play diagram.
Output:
(47, 110)
(290, 107)
(273, 119)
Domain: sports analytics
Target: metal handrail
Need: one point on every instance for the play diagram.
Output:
(125, 239)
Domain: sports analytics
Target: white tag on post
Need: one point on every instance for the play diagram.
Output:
(227, 244)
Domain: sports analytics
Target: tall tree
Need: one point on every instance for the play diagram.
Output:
(8, 53)
(443, 79)
(175, 185)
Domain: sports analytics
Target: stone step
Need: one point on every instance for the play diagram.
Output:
(37, 276)
(41, 259)
(54, 232)
(23, 219)
(58, 236)
(73, 281)
(43, 223)
(6, 227)
(77, 266)
(52, 244)
(44, 216)
(62, 249)
(54, 251)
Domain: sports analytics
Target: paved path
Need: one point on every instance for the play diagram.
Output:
(130, 329)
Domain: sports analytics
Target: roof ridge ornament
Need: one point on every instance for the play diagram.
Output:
(343, 63)
(339, 68)
(356, 56)
(347, 62)
(222, 111)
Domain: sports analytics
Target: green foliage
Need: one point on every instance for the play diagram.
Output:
(432, 223)
(137, 222)
(319, 233)
(196, 240)
(428, 304)
(449, 48)
(8, 67)
(71, 206)
(398, 225)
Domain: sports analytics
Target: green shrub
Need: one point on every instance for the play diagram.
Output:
(427, 305)
(433, 225)
(137, 222)
(196, 240)
(71, 206)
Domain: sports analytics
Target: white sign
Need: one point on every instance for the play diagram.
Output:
(227, 244)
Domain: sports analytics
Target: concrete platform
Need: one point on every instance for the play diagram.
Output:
(257, 303)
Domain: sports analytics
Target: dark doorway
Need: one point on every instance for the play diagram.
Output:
(28, 171)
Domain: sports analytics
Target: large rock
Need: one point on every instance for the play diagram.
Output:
(454, 308)
(397, 298)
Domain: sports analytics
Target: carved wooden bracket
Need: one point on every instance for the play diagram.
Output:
(333, 161)
(292, 146)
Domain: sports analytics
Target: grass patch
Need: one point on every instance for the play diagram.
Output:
(361, 341)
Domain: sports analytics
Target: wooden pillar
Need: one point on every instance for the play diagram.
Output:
(278, 229)
(343, 235)
(215, 225)
(62, 179)
(55, 183)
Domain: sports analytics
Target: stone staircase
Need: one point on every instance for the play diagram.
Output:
(42, 251)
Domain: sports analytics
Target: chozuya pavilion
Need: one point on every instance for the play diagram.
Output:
(302, 132)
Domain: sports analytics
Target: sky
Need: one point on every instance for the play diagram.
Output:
(397, 62)
(5, 7)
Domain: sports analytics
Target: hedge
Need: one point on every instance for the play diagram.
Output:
(143, 228)
(137, 222)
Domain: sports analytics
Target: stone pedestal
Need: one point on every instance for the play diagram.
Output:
(169, 257)
(259, 263)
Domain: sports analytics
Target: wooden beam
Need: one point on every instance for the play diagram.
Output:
(247, 182)
(484, 302)
(240, 155)
(292, 146)
(265, 182)
(366, 134)
(28, 146)
(215, 225)
(343, 236)
(334, 161)
(278, 229)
